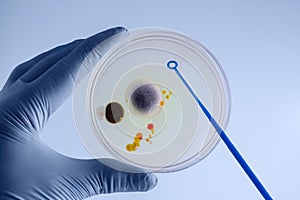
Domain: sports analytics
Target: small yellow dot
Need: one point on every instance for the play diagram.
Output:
(167, 96)
(147, 140)
(136, 139)
(161, 103)
(170, 93)
(135, 144)
(164, 91)
(129, 147)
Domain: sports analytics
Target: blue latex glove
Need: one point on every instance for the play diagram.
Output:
(29, 169)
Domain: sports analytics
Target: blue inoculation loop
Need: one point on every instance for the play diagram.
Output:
(173, 65)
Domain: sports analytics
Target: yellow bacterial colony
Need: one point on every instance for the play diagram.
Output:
(131, 147)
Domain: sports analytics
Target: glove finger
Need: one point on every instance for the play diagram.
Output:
(92, 177)
(58, 82)
(44, 64)
(86, 55)
(24, 67)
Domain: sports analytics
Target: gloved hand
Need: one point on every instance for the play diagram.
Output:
(29, 169)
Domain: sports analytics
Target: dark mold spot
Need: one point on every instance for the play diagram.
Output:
(144, 97)
(114, 112)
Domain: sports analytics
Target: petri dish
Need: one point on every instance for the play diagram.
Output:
(134, 109)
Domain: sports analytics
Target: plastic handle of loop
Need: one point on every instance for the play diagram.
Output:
(173, 65)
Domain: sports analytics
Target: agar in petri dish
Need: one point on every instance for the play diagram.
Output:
(135, 109)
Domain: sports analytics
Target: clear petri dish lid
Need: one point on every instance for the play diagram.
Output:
(134, 109)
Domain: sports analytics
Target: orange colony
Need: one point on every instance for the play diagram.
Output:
(139, 135)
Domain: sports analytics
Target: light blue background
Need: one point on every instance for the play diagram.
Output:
(258, 45)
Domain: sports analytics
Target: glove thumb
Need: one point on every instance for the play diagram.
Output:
(86, 178)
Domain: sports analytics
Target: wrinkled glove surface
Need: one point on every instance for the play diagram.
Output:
(29, 169)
